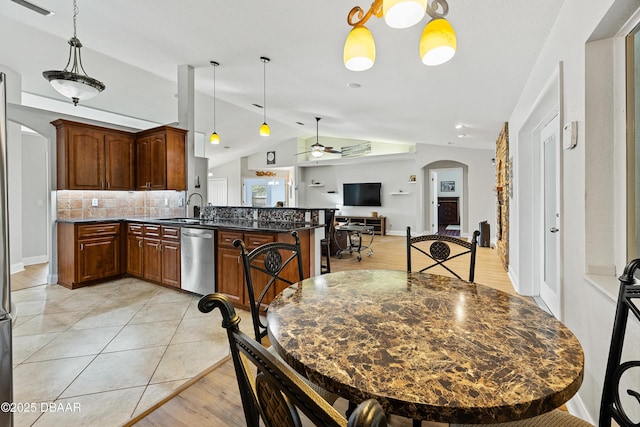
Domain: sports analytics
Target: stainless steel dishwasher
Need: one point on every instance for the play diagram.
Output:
(198, 259)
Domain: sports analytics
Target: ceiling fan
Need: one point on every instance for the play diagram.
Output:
(317, 149)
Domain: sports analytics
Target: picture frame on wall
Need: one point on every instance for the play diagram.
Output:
(447, 186)
(271, 157)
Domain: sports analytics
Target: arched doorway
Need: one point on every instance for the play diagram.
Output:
(445, 209)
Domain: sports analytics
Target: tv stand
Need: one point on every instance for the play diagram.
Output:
(378, 223)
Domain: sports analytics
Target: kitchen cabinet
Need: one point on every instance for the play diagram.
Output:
(161, 159)
(93, 158)
(153, 253)
(88, 252)
(448, 211)
(230, 274)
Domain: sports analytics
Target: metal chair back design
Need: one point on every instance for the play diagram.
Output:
(276, 394)
(612, 404)
(439, 252)
(263, 268)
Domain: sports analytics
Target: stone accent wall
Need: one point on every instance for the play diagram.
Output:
(73, 204)
(503, 192)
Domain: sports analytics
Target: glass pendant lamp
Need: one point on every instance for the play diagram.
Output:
(214, 138)
(403, 13)
(438, 42)
(264, 129)
(359, 49)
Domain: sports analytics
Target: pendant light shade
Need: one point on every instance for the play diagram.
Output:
(438, 42)
(359, 49)
(264, 129)
(74, 82)
(403, 13)
(214, 138)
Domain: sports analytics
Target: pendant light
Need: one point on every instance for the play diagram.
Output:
(214, 138)
(359, 49)
(403, 13)
(264, 129)
(69, 82)
(438, 42)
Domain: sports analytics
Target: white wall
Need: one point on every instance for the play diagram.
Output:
(233, 172)
(588, 302)
(35, 194)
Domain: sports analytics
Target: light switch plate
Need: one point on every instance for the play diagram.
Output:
(94, 202)
(570, 135)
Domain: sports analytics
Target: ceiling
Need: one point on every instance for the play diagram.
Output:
(135, 48)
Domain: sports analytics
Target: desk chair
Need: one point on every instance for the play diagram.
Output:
(612, 403)
(263, 272)
(276, 394)
(439, 251)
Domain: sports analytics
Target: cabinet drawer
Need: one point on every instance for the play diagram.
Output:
(95, 230)
(254, 240)
(151, 230)
(226, 238)
(170, 233)
(135, 229)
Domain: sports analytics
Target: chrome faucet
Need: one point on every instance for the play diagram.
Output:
(195, 194)
(195, 213)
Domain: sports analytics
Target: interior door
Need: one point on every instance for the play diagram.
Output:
(433, 200)
(550, 151)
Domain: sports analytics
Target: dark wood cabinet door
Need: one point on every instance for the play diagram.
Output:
(230, 275)
(152, 264)
(143, 173)
(158, 161)
(170, 263)
(98, 258)
(85, 151)
(119, 161)
(135, 255)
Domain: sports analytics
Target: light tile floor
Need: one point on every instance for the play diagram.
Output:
(106, 352)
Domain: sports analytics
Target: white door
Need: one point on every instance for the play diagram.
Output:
(550, 150)
(433, 199)
(217, 191)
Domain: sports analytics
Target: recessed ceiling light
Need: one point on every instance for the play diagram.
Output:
(459, 126)
(226, 146)
(354, 85)
(257, 105)
(461, 135)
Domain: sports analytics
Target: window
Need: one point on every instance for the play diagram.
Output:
(633, 143)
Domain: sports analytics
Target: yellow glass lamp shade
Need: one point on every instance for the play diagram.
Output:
(403, 13)
(359, 49)
(264, 130)
(438, 42)
(214, 138)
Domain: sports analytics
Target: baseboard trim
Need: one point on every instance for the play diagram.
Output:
(576, 407)
(17, 267)
(40, 259)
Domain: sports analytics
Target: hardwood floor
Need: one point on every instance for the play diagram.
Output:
(214, 399)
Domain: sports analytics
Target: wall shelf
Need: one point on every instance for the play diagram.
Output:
(316, 185)
(412, 182)
(399, 193)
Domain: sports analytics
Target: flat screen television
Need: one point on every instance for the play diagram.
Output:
(361, 194)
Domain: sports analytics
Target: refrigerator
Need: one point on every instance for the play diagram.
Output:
(6, 365)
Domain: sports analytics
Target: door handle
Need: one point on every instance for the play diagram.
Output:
(553, 230)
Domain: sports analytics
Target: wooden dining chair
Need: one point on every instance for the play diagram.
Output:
(437, 251)
(612, 404)
(276, 394)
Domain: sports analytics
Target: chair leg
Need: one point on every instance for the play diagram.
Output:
(417, 423)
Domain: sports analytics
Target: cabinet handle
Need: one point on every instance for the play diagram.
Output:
(82, 246)
(140, 243)
(108, 184)
(101, 184)
(160, 247)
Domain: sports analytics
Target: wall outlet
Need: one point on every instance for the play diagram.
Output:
(166, 202)
(94, 202)
(180, 202)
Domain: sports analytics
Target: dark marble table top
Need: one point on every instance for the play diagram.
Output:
(427, 347)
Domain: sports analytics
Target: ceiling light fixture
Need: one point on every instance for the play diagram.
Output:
(316, 149)
(264, 129)
(214, 138)
(69, 82)
(41, 10)
(437, 44)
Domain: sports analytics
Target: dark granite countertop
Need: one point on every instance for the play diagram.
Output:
(235, 224)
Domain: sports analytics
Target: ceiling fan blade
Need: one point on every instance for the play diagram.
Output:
(331, 150)
(304, 152)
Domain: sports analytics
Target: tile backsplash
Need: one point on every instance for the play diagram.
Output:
(76, 204)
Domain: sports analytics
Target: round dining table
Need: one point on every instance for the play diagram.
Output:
(426, 347)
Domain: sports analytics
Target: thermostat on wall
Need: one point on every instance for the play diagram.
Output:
(570, 135)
